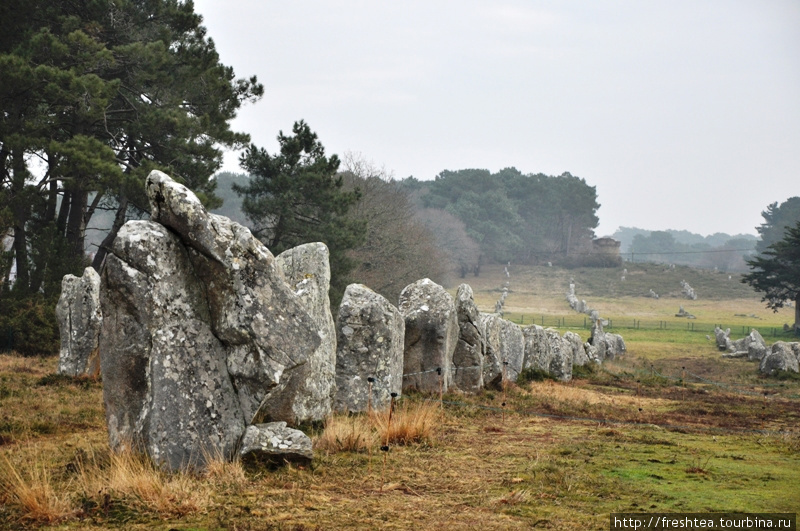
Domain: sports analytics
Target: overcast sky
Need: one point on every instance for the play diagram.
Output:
(683, 114)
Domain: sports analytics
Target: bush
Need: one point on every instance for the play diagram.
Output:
(29, 327)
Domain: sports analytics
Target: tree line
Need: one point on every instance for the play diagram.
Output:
(95, 94)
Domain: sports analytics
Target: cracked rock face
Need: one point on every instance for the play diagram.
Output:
(548, 351)
(468, 354)
(201, 327)
(369, 344)
(504, 350)
(79, 321)
(308, 395)
(431, 336)
(783, 356)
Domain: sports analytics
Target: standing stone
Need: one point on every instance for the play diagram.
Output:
(79, 321)
(608, 345)
(547, 351)
(756, 346)
(431, 336)
(165, 385)
(308, 395)
(200, 327)
(504, 350)
(266, 330)
(468, 354)
(782, 357)
(369, 344)
(723, 338)
(576, 345)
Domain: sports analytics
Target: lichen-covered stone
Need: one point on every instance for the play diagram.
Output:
(546, 350)
(783, 356)
(308, 394)
(274, 443)
(579, 356)
(79, 321)
(504, 350)
(369, 344)
(199, 328)
(431, 336)
(608, 346)
(165, 384)
(266, 330)
(468, 354)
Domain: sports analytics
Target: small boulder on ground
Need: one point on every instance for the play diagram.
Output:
(274, 443)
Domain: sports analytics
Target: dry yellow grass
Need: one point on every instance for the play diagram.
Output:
(411, 422)
(29, 487)
(346, 433)
(551, 390)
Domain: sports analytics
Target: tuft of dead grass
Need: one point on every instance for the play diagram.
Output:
(346, 433)
(31, 490)
(411, 422)
(132, 480)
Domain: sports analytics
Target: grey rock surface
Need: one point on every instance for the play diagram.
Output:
(608, 345)
(783, 356)
(165, 384)
(265, 328)
(468, 354)
(504, 350)
(79, 322)
(308, 393)
(199, 328)
(576, 344)
(369, 344)
(430, 337)
(546, 350)
(275, 443)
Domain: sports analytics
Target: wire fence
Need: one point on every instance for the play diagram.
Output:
(688, 325)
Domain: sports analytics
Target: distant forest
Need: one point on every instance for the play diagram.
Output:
(477, 216)
(722, 251)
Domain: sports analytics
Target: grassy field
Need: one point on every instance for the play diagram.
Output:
(670, 427)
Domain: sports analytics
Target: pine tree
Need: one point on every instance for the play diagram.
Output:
(776, 273)
(296, 197)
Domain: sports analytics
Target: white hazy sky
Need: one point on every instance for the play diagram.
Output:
(685, 114)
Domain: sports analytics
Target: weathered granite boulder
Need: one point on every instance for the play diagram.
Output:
(576, 345)
(79, 321)
(431, 335)
(723, 338)
(369, 344)
(309, 390)
(199, 328)
(275, 443)
(608, 345)
(468, 354)
(547, 351)
(266, 329)
(165, 384)
(756, 346)
(782, 357)
(504, 350)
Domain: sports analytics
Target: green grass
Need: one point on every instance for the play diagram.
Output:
(671, 426)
